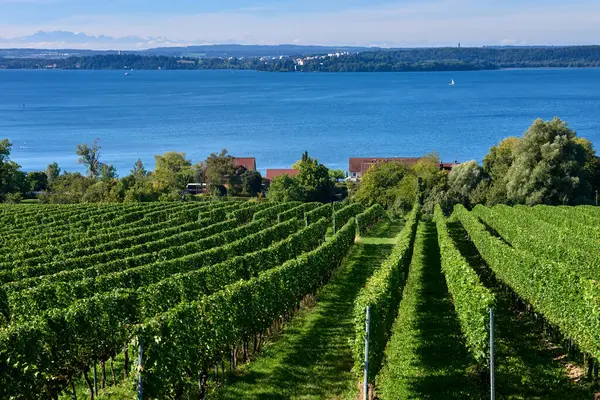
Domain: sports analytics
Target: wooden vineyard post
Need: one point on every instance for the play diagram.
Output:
(492, 373)
(366, 379)
(140, 358)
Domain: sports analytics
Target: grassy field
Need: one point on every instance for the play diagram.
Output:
(312, 358)
(426, 357)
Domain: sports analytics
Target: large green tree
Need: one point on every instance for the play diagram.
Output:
(173, 172)
(37, 181)
(251, 183)
(549, 166)
(380, 184)
(12, 179)
(90, 157)
(219, 170)
(286, 188)
(496, 165)
(315, 179)
(463, 181)
(52, 172)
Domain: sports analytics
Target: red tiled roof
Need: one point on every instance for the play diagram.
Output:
(247, 162)
(362, 164)
(273, 173)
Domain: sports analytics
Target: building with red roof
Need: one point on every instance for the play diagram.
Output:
(247, 162)
(272, 173)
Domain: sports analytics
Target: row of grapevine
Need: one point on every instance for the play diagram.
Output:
(63, 343)
(270, 214)
(244, 215)
(297, 212)
(186, 287)
(472, 300)
(382, 294)
(566, 299)
(181, 344)
(82, 221)
(91, 271)
(97, 249)
(173, 215)
(169, 247)
(578, 223)
(67, 234)
(97, 327)
(523, 231)
(324, 211)
(62, 294)
(367, 219)
(343, 215)
(25, 218)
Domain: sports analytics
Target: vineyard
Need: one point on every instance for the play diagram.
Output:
(235, 299)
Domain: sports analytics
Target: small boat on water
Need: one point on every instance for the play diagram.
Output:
(451, 83)
(126, 73)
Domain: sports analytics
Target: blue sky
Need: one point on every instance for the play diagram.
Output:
(350, 22)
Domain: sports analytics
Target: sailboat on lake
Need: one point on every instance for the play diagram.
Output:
(451, 83)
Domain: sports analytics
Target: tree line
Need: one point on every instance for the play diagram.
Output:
(549, 164)
(168, 182)
(423, 59)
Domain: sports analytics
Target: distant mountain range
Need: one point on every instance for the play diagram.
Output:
(58, 44)
(82, 41)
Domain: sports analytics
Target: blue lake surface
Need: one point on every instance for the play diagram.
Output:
(276, 116)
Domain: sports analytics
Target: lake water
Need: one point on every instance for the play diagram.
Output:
(276, 116)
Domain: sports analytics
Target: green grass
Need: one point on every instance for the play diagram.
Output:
(312, 359)
(528, 366)
(426, 357)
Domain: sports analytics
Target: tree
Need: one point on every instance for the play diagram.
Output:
(286, 188)
(406, 194)
(379, 184)
(314, 177)
(68, 188)
(108, 172)
(12, 179)
(251, 183)
(138, 170)
(462, 181)
(173, 172)
(496, 165)
(37, 181)
(220, 170)
(90, 157)
(549, 166)
(101, 192)
(52, 172)
(337, 174)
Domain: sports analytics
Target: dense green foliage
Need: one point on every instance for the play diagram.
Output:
(342, 215)
(549, 165)
(312, 183)
(368, 218)
(424, 59)
(187, 340)
(472, 300)
(69, 309)
(564, 297)
(382, 294)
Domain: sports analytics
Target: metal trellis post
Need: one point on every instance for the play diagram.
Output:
(367, 326)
